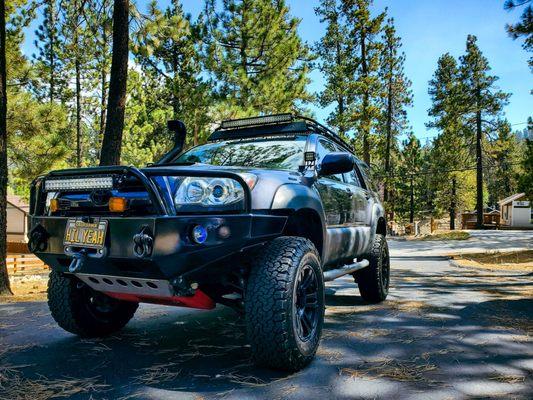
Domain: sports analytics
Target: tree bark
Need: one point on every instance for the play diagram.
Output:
(388, 141)
(453, 205)
(4, 279)
(78, 111)
(479, 167)
(365, 116)
(411, 202)
(112, 142)
(103, 84)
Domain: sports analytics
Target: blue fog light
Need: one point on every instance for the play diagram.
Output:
(199, 234)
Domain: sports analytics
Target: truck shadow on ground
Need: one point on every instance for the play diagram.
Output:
(401, 343)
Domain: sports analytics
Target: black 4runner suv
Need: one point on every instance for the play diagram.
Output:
(256, 219)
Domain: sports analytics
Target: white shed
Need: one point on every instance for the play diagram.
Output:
(17, 219)
(516, 211)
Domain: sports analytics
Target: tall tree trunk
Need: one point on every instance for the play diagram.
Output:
(4, 279)
(112, 143)
(479, 167)
(388, 141)
(51, 54)
(453, 204)
(365, 116)
(78, 111)
(103, 85)
(340, 97)
(411, 202)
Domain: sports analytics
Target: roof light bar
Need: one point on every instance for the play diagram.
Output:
(263, 120)
(54, 185)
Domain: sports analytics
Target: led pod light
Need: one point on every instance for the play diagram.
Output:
(211, 191)
(55, 185)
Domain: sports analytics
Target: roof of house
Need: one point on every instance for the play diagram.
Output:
(510, 199)
(17, 202)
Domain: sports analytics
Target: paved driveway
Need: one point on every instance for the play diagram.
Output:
(443, 333)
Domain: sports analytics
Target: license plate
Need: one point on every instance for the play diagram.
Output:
(85, 234)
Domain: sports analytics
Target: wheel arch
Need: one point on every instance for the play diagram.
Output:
(306, 215)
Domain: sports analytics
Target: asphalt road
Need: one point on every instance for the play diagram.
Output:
(443, 333)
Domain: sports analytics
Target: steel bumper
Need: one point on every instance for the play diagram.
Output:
(174, 252)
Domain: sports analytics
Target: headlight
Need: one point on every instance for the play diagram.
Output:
(209, 192)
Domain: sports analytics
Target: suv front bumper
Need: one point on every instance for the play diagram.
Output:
(173, 254)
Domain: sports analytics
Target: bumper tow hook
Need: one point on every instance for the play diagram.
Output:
(143, 243)
(78, 259)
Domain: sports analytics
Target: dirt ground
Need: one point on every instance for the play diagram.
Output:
(445, 332)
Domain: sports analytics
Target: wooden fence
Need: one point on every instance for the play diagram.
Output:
(25, 264)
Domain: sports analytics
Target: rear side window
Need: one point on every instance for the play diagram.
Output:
(351, 178)
(364, 172)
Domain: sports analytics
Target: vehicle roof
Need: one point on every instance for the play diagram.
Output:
(274, 125)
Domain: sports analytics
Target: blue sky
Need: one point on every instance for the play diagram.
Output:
(428, 30)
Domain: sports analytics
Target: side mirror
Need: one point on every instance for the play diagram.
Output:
(336, 163)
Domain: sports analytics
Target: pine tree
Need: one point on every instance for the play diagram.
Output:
(76, 58)
(4, 279)
(365, 85)
(112, 141)
(501, 154)
(524, 28)
(255, 53)
(98, 15)
(409, 187)
(50, 66)
(397, 95)
(451, 148)
(482, 105)
(525, 180)
(332, 50)
(167, 50)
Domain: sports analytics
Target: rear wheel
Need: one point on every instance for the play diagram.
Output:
(284, 304)
(373, 281)
(83, 311)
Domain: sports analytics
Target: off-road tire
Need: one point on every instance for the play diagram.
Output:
(373, 281)
(270, 307)
(69, 302)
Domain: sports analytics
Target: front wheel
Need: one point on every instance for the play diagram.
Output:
(284, 304)
(83, 311)
(373, 281)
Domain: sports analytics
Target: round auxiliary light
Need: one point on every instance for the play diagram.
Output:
(199, 234)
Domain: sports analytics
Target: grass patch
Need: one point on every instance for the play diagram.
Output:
(451, 235)
(508, 261)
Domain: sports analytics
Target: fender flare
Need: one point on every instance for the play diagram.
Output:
(296, 197)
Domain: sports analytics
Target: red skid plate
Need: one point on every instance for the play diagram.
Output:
(198, 300)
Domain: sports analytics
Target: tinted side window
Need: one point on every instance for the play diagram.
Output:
(324, 147)
(363, 172)
(352, 178)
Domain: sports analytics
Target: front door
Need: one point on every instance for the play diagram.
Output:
(337, 202)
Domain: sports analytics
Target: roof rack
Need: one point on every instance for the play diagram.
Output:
(275, 124)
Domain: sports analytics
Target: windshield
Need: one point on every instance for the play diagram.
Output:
(260, 153)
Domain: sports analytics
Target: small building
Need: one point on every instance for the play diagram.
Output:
(516, 211)
(17, 219)
(491, 219)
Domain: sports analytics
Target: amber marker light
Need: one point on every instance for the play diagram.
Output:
(54, 205)
(118, 204)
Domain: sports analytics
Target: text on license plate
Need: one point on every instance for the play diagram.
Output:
(86, 234)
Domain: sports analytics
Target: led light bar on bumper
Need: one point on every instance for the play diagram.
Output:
(72, 184)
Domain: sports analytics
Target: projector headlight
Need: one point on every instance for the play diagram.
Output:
(209, 192)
